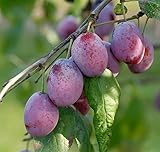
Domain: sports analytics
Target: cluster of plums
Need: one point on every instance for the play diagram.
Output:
(90, 56)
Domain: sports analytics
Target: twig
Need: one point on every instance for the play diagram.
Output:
(22, 76)
(46, 68)
(27, 139)
(121, 20)
(69, 49)
(26, 134)
(145, 25)
(129, 0)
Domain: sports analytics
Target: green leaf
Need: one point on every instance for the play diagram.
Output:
(103, 93)
(71, 126)
(151, 8)
(56, 143)
(118, 10)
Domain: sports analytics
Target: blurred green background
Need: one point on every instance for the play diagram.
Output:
(27, 32)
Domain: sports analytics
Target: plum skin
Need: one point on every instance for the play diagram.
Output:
(113, 63)
(105, 15)
(147, 60)
(127, 43)
(89, 54)
(82, 104)
(40, 115)
(67, 26)
(64, 83)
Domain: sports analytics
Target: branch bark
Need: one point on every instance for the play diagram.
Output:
(40, 64)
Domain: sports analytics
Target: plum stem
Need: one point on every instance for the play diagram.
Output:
(27, 139)
(89, 26)
(138, 23)
(145, 25)
(27, 144)
(47, 67)
(123, 10)
(120, 20)
(129, 0)
(69, 49)
(43, 78)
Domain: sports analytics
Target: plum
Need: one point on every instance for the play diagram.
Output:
(40, 115)
(65, 82)
(89, 54)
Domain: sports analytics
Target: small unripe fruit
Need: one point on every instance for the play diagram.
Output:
(65, 82)
(40, 115)
(89, 54)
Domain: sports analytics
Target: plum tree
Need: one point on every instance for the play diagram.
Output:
(127, 43)
(65, 82)
(40, 115)
(89, 54)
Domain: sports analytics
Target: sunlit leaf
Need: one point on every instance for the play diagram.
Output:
(103, 93)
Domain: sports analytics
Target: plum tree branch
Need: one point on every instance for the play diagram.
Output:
(140, 14)
(128, 0)
(40, 64)
(47, 67)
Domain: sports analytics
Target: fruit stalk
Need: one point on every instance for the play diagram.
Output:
(140, 14)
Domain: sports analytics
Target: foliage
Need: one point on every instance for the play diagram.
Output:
(74, 127)
(71, 127)
(103, 94)
(151, 8)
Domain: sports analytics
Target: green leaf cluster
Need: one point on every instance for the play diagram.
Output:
(151, 8)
